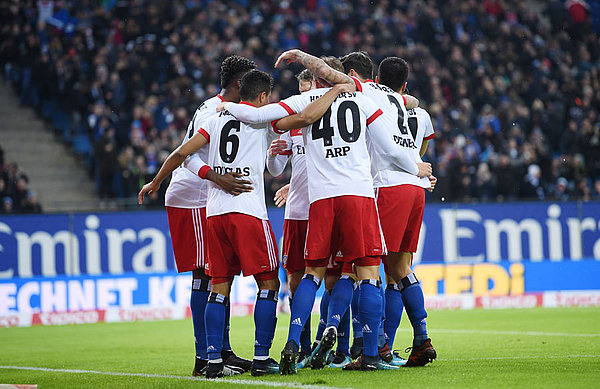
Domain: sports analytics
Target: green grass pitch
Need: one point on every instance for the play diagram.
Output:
(528, 348)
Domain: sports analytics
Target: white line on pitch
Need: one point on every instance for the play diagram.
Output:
(518, 357)
(189, 378)
(493, 332)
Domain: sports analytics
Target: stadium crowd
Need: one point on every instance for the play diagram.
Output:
(513, 90)
(15, 194)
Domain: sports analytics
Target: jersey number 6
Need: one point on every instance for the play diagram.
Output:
(229, 138)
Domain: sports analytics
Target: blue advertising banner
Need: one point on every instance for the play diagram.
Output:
(139, 242)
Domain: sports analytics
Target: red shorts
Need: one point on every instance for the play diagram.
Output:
(401, 210)
(349, 224)
(294, 236)
(188, 233)
(240, 243)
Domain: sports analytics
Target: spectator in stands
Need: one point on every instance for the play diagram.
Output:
(504, 87)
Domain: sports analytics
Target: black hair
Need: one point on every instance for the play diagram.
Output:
(254, 83)
(393, 72)
(233, 68)
(360, 62)
(305, 75)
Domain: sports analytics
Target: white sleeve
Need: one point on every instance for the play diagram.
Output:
(377, 129)
(253, 115)
(194, 163)
(276, 164)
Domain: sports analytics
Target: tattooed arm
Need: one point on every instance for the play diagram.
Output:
(317, 66)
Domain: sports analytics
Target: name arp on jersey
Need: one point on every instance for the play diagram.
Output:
(337, 151)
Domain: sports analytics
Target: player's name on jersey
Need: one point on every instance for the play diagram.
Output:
(343, 95)
(405, 142)
(335, 152)
(244, 170)
(380, 87)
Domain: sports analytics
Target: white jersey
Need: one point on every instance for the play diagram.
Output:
(241, 148)
(296, 206)
(337, 159)
(393, 106)
(187, 189)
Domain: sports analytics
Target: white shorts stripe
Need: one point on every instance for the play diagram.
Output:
(269, 244)
(195, 234)
(201, 260)
(383, 245)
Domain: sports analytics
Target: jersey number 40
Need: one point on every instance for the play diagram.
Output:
(323, 128)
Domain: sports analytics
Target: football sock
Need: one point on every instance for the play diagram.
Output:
(356, 326)
(343, 334)
(305, 338)
(323, 308)
(414, 303)
(198, 300)
(370, 315)
(341, 297)
(226, 344)
(214, 321)
(393, 312)
(265, 320)
(304, 299)
(381, 334)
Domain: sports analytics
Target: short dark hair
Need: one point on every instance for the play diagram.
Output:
(254, 83)
(305, 75)
(393, 72)
(333, 63)
(233, 68)
(360, 62)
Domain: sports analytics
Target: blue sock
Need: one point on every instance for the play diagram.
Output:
(198, 300)
(381, 333)
(370, 315)
(265, 320)
(324, 308)
(304, 299)
(356, 326)
(341, 297)
(343, 334)
(214, 321)
(414, 303)
(226, 344)
(393, 312)
(305, 338)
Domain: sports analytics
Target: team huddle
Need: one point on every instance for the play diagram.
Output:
(356, 197)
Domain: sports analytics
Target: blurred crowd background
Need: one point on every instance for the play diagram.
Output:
(513, 87)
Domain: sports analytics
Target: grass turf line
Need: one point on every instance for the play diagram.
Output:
(529, 348)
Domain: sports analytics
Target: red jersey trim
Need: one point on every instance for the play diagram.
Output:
(404, 99)
(220, 97)
(369, 80)
(247, 103)
(430, 137)
(286, 152)
(357, 83)
(203, 171)
(296, 132)
(204, 134)
(275, 129)
(377, 114)
(287, 108)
